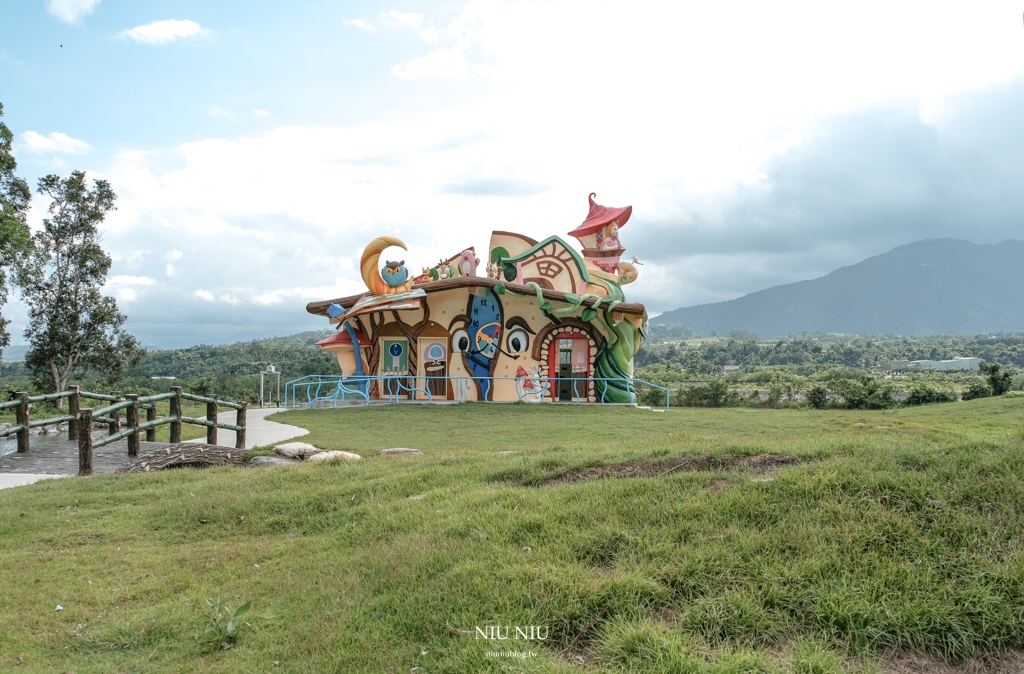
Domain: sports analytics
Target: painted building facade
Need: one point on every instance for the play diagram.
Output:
(538, 321)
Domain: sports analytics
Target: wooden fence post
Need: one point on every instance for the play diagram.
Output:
(176, 413)
(85, 441)
(134, 441)
(22, 418)
(115, 417)
(240, 422)
(211, 415)
(73, 402)
(151, 416)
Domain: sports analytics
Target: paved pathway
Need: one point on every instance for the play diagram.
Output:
(61, 459)
(259, 431)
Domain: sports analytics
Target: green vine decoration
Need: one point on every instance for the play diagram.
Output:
(614, 357)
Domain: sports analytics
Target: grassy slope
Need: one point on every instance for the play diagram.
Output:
(900, 530)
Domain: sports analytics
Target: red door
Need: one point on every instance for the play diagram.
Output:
(568, 359)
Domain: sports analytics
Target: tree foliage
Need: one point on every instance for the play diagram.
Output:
(817, 397)
(72, 325)
(923, 393)
(15, 238)
(811, 353)
(715, 393)
(999, 382)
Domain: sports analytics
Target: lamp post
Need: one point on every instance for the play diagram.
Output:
(270, 371)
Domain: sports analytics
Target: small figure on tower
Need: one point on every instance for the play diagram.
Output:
(599, 234)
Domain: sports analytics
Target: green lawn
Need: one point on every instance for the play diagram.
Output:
(897, 530)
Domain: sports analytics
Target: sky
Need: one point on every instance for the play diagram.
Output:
(256, 147)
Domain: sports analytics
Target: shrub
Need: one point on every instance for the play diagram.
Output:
(864, 393)
(817, 397)
(652, 397)
(715, 393)
(926, 394)
(977, 389)
(999, 382)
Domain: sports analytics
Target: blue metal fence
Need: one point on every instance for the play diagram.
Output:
(319, 388)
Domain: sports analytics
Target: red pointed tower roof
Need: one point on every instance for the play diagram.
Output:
(600, 216)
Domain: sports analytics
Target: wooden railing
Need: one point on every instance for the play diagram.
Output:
(80, 419)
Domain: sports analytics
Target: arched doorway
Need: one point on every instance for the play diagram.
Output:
(567, 359)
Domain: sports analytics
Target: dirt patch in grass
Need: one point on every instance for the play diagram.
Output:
(1004, 663)
(759, 464)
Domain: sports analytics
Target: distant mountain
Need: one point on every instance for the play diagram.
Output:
(13, 354)
(935, 286)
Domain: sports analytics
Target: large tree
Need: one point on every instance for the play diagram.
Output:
(15, 238)
(72, 325)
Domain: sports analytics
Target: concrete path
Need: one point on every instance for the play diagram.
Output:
(20, 479)
(258, 431)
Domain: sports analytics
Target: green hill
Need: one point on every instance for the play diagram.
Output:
(935, 286)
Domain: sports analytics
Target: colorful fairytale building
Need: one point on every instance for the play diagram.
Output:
(537, 322)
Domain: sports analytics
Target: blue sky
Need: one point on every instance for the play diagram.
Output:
(256, 147)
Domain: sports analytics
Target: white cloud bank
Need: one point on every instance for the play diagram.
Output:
(358, 23)
(162, 32)
(674, 108)
(70, 11)
(55, 143)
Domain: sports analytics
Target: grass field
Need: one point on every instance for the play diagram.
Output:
(896, 531)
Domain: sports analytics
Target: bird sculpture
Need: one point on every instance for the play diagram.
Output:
(636, 261)
(394, 273)
(393, 278)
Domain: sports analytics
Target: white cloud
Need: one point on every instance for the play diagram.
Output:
(125, 280)
(686, 103)
(218, 112)
(162, 32)
(55, 143)
(442, 63)
(260, 113)
(172, 256)
(70, 11)
(125, 288)
(358, 23)
(414, 21)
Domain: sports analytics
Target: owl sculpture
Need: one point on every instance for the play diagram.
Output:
(394, 273)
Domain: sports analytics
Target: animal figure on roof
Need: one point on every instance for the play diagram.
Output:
(394, 273)
(468, 262)
(397, 281)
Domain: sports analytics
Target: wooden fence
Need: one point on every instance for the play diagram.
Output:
(80, 419)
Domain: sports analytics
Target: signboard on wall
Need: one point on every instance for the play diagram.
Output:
(395, 356)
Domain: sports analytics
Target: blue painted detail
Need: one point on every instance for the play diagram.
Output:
(332, 388)
(360, 373)
(484, 330)
(335, 310)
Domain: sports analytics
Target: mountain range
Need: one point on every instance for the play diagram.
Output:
(935, 286)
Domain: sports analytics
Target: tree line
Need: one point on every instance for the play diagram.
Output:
(810, 353)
